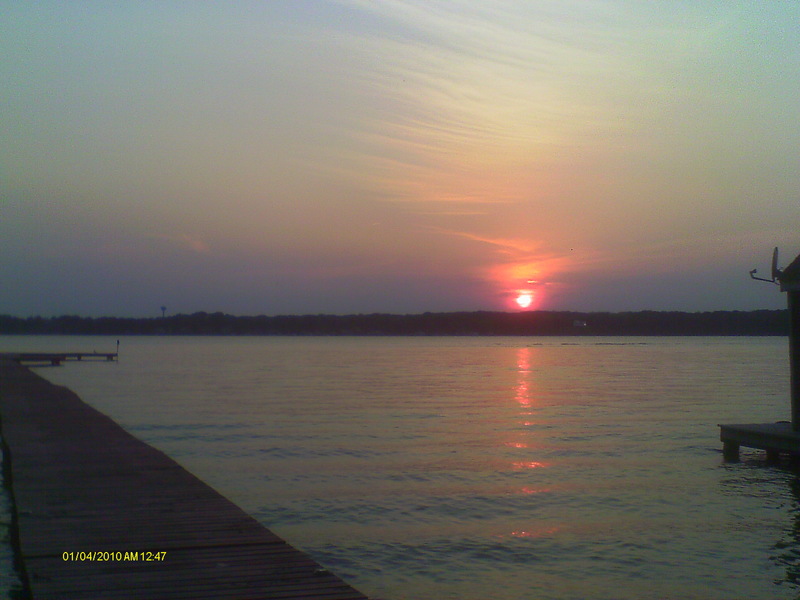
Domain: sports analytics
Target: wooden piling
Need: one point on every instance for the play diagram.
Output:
(730, 450)
(794, 355)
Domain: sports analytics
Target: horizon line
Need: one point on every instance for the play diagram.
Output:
(397, 314)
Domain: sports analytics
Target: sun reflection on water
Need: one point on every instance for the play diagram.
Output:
(525, 398)
(529, 490)
(528, 464)
(523, 388)
(516, 444)
(537, 533)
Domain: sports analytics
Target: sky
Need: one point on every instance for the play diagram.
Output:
(360, 156)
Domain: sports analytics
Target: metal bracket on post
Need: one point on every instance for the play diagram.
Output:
(776, 272)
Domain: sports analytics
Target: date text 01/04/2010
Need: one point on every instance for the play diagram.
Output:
(115, 556)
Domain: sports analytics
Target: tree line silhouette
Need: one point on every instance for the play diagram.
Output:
(758, 322)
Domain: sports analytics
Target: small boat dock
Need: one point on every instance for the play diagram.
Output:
(772, 437)
(99, 514)
(783, 436)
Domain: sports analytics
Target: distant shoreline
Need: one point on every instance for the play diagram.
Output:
(477, 323)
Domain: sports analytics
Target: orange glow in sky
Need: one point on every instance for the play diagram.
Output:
(527, 279)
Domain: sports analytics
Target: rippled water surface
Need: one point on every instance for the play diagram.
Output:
(478, 468)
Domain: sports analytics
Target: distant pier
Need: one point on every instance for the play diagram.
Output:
(56, 358)
(100, 514)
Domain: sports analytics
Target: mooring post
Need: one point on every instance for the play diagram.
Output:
(789, 279)
(730, 451)
(794, 356)
(773, 456)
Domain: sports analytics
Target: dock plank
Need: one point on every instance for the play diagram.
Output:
(81, 483)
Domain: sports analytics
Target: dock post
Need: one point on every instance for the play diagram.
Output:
(794, 355)
(789, 279)
(730, 451)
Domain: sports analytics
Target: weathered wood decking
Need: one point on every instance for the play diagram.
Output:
(81, 484)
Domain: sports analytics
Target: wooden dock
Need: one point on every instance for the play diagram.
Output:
(782, 436)
(101, 514)
(775, 438)
(56, 358)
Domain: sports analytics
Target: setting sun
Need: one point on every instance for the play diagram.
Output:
(524, 299)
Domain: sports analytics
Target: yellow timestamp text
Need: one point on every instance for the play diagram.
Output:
(114, 556)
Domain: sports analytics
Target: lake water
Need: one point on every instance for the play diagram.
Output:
(477, 468)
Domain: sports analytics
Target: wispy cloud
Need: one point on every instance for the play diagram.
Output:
(184, 240)
(502, 245)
